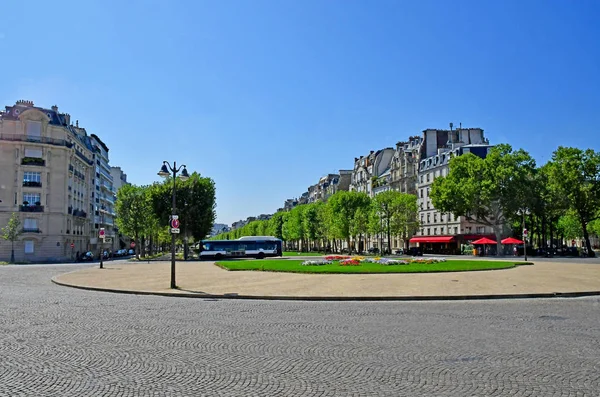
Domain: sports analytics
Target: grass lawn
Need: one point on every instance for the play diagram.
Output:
(294, 266)
(293, 253)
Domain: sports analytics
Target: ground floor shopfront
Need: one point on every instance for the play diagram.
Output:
(452, 245)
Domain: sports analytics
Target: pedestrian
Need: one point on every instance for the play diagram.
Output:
(515, 250)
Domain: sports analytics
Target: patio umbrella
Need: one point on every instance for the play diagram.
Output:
(511, 240)
(484, 241)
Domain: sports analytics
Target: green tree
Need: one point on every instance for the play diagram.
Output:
(360, 226)
(275, 225)
(486, 190)
(11, 232)
(134, 212)
(569, 226)
(404, 222)
(310, 222)
(195, 202)
(574, 175)
(343, 211)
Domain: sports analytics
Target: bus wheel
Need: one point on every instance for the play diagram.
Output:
(218, 257)
(261, 255)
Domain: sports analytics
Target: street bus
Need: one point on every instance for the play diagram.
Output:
(250, 246)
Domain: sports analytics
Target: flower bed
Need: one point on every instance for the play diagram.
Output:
(336, 257)
(316, 262)
(350, 262)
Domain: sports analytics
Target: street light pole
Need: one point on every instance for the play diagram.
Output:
(524, 211)
(166, 171)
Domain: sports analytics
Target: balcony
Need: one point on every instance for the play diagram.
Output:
(84, 158)
(31, 230)
(79, 213)
(79, 175)
(44, 140)
(32, 184)
(33, 161)
(31, 208)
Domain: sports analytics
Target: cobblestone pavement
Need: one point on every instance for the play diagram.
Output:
(57, 341)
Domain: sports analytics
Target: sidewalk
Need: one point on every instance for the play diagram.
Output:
(204, 279)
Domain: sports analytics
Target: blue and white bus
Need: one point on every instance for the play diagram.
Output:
(251, 246)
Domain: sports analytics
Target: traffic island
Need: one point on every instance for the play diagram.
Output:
(206, 280)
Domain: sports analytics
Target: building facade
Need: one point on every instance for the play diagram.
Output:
(119, 177)
(442, 232)
(368, 169)
(47, 179)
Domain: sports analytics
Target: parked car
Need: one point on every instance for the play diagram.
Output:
(131, 252)
(87, 257)
(415, 251)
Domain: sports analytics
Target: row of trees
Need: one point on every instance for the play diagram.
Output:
(562, 197)
(345, 216)
(143, 211)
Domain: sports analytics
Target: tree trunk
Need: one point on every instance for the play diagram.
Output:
(12, 251)
(136, 239)
(586, 236)
(389, 237)
(498, 233)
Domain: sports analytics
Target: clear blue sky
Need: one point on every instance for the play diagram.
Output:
(267, 96)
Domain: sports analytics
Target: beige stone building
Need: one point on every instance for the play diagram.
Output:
(445, 233)
(46, 178)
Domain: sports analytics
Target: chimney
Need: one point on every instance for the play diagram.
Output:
(372, 151)
(77, 123)
(55, 108)
(67, 119)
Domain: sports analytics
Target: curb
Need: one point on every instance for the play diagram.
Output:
(339, 298)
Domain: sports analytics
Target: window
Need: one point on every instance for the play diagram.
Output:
(35, 153)
(441, 230)
(421, 193)
(30, 223)
(32, 177)
(455, 230)
(480, 229)
(434, 231)
(422, 218)
(429, 231)
(28, 246)
(428, 177)
(421, 178)
(34, 129)
(427, 194)
(428, 218)
(434, 218)
(31, 198)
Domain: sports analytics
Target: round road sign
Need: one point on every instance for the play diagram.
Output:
(175, 223)
(72, 245)
(132, 245)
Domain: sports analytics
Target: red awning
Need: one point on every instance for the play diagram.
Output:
(445, 239)
(485, 241)
(511, 240)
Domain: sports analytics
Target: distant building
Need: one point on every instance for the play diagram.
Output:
(119, 177)
(219, 228)
(367, 169)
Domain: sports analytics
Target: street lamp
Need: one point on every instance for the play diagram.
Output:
(524, 212)
(166, 171)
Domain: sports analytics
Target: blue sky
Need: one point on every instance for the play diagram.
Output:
(267, 96)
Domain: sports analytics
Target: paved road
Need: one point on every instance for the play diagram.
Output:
(57, 341)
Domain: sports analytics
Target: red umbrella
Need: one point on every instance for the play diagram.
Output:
(484, 241)
(511, 240)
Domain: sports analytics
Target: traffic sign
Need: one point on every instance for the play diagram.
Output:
(174, 217)
(107, 240)
(132, 245)
(72, 245)
(174, 230)
(525, 232)
(101, 232)
(175, 223)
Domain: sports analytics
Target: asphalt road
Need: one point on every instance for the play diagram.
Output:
(58, 341)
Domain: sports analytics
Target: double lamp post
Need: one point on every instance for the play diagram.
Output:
(171, 171)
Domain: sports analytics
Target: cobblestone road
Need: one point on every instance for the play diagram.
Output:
(57, 341)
